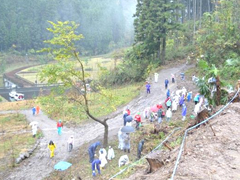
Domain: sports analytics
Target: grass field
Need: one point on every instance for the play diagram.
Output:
(16, 137)
(91, 66)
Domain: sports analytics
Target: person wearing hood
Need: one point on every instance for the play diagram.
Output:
(181, 101)
(184, 112)
(189, 96)
(168, 115)
(148, 87)
(120, 139)
(174, 105)
(96, 165)
(126, 142)
(123, 160)
(102, 157)
(51, 147)
(33, 111)
(140, 148)
(59, 127)
(110, 154)
(166, 83)
(92, 149)
(168, 93)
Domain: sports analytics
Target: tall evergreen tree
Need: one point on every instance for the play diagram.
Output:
(154, 19)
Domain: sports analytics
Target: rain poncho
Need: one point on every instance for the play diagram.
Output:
(120, 139)
(168, 93)
(91, 151)
(123, 160)
(126, 141)
(51, 147)
(34, 127)
(102, 157)
(174, 106)
(184, 111)
(95, 165)
(111, 154)
(33, 110)
(181, 101)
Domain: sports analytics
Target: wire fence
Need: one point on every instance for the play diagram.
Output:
(193, 127)
(136, 162)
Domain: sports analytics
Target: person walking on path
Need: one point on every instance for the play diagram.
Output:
(51, 147)
(37, 109)
(168, 115)
(166, 83)
(70, 143)
(173, 78)
(34, 128)
(156, 77)
(184, 112)
(96, 166)
(168, 93)
(148, 87)
(33, 111)
(92, 149)
(59, 127)
(140, 148)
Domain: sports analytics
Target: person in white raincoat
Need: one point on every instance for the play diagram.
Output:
(156, 77)
(123, 160)
(34, 125)
(111, 154)
(102, 157)
(174, 105)
(120, 139)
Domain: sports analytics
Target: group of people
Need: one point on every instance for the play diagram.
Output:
(104, 157)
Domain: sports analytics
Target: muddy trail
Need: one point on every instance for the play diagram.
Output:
(39, 165)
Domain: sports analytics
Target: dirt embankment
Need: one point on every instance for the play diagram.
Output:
(206, 156)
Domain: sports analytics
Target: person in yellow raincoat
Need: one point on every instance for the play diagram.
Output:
(51, 147)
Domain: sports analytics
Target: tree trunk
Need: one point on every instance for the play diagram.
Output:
(105, 138)
(164, 47)
(154, 164)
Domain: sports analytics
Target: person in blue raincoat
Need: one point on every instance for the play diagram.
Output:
(33, 111)
(96, 165)
(184, 112)
(148, 87)
(166, 83)
(92, 149)
(196, 98)
(168, 93)
(124, 118)
(189, 96)
(181, 101)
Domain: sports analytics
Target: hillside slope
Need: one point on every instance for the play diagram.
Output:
(206, 156)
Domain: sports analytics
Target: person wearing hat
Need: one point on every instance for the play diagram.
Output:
(59, 127)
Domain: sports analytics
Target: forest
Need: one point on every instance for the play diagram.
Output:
(105, 24)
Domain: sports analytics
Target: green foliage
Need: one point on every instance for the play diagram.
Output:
(103, 23)
(218, 39)
(154, 19)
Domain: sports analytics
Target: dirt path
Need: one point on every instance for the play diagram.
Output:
(39, 165)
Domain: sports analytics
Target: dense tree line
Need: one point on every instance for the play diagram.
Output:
(104, 23)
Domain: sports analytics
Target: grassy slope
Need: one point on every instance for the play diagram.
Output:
(16, 138)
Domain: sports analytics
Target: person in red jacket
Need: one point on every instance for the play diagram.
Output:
(59, 127)
(138, 120)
